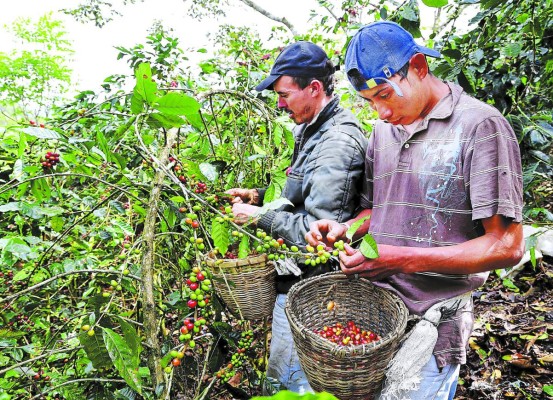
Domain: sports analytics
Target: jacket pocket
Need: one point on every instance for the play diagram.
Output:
(293, 190)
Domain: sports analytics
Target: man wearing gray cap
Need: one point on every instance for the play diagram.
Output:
(324, 181)
(444, 192)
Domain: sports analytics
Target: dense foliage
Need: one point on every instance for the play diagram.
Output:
(112, 201)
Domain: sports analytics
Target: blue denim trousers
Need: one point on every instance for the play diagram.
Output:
(435, 384)
(284, 364)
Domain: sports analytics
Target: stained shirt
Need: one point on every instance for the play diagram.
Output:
(432, 188)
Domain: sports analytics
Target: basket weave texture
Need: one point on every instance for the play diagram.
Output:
(246, 285)
(348, 372)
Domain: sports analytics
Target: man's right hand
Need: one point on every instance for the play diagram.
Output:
(248, 196)
(325, 231)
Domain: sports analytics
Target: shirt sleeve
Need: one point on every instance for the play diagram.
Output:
(495, 171)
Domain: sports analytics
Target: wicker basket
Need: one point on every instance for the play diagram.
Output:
(246, 285)
(348, 372)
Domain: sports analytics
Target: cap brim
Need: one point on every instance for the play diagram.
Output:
(429, 52)
(267, 83)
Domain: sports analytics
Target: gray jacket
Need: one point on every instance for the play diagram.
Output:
(325, 179)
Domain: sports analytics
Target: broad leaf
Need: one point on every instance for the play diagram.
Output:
(42, 133)
(244, 247)
(177, 104)
(209, 171)
(145, 87)
(158, 120)
(435, 3)
(220, 235)
(132, 339)
(122, 357)
(355, 226)
(273, 205)
(369, 247)
(95, 349)
(137, 102)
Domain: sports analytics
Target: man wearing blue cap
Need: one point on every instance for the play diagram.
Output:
(444, 192)
(324, 181)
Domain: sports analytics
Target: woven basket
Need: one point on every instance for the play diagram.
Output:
(348, 372)
(246, 285)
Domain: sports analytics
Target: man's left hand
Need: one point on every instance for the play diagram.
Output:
(245, 213)
(352, 262)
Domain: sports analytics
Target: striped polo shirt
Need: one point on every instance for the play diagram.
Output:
(432, 187)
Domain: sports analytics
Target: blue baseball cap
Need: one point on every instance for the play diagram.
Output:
(377, 51)
(301, 59)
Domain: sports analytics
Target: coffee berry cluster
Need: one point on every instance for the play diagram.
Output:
(238, 358)
(199, 287)
(176, 357)
(50, 160)
(347, 335)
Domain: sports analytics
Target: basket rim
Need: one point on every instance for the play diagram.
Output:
(253, 259)
(347, 350)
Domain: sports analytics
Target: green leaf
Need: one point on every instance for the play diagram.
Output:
(18, 248)
(11, 206)
(137, 102)
(42, 133)
(95, 349)
(220, 235)
(17, 173)
(244, 247)
(369, 247)
(355, 226)
(122, 358)
(209, 171)
(512, 49)
(177, 104)
(158, 120)
(145, 87)
(287, 395)
(124, 226)
(435, 3)
(41, 189)
(132, 339)
(548, 389)
(273, 205)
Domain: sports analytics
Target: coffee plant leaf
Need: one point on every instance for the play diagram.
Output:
(177, 104)
(41, 189)
(131, 338)
(123, 358)
(273, 205)
(137, 102)
(355, 226)
(11, 206)
(158, 120)
(220, 235)
(42, 133)
(369, 247)
(244, 247)
(95, 349)
(435, 3)
(208, 171)
(17, 172)
(145, 86)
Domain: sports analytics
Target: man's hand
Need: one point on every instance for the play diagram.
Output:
(325, 231)
(244, 213)
(352, 261)
(248, 196)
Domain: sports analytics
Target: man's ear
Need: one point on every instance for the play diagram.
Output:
(316, 87)
(418, 65)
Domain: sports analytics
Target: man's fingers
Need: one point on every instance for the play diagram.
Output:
(312, 238)
(349, 250)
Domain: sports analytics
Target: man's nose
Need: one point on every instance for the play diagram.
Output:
(281, 103)
(383, 112)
